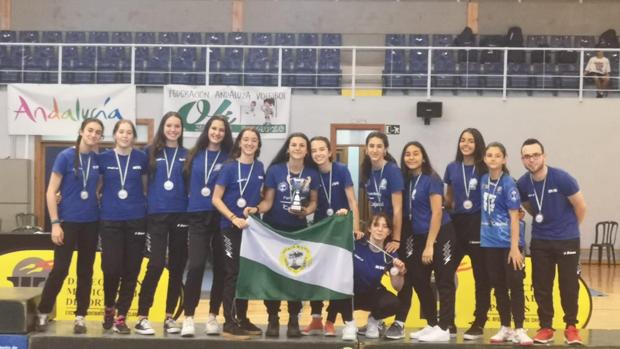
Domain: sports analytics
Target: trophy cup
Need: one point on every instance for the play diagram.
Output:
(296, 184)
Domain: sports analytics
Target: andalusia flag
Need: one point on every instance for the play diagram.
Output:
(315, 263)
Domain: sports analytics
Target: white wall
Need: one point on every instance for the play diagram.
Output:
(581, 138)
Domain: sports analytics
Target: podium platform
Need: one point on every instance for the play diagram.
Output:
(18, 309)
(60, 335)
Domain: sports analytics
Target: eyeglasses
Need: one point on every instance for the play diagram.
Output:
(534, 156)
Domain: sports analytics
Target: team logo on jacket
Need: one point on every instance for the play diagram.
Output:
(295, 258)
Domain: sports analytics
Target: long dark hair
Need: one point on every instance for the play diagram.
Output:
(159, 141)
(366, 165)
(76, 158)
(501, 148)
(236, 148)
(479, 164)
(283, 156)
(427, 168)
(327, 144)
(203, 142)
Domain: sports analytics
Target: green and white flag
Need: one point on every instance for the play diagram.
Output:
(315, 263)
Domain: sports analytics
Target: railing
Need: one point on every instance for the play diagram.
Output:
(426, 71)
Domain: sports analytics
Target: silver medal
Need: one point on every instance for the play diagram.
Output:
(84, 195)
(330, 212)
(539, 218)
(205, 191)
(467, 204)
(168, 185)
(122, 194)
(241, 202)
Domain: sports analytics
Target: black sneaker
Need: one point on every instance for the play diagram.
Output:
(273, 327)
(108, 318)
(293, 330)
(120, 326)
(250, 328)
(453, 331)
(79, 325)
(473, 333)
(396, 331)
(232, 329)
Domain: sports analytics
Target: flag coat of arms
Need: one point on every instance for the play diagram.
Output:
(315, 263)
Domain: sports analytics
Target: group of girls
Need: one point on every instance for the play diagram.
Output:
(198, 202)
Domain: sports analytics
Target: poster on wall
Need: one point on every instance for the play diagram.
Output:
(58, 110)
(266, 108)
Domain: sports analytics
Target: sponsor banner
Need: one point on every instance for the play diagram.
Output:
(58, 110)
(266, 108)
(30, 268)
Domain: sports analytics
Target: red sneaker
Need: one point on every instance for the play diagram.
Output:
(315, 327)
(329, 330)
(571, 335)
(544, 336)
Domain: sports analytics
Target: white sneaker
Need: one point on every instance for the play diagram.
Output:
(349, 332)
(372, 328)
(520, 337)
(187, 330)
(417, 334)
(144, 327)
(436, 334)
(171, 326)
(504, 334)
(212, 327)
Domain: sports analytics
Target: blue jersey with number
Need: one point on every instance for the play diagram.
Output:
(498, 197)
(559, 218)
(340, 180)
(380, 186)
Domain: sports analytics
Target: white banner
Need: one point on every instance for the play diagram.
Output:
(266, 108)
(58, 110)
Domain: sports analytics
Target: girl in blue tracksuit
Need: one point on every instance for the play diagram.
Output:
(166, 221)
(202, 167)
(238, 186)
(122, 224)
(74, 221)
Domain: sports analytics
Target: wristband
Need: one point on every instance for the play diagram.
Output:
(55, 221)
(396, 241)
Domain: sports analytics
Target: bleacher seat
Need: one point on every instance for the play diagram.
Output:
(237, 38)
(519, 76)
(492, 75)
(445, 74)
(183, 66)
(76, 37)
(492, 56)
(442, 39)
(231, 72)
(307, 39)
(168, 38)
(395, 40)
(568, 76)
(419, 40)
(395, 69)
(329, 71)
(28, 36)
(8, 36)
(191, 38)
(122, 37)
(331, 39)
(99, 37)
(288, 60)
(469, 75)
(52, 37)
(543, 75)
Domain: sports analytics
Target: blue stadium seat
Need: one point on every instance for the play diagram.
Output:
(11, 65)
(492, 56)
(519, 76)
(8, 36)
(536, 41)
(75, 37)
(237, 38)
(285, 39)
(584, 41)
(288, 60)
(568, 76)
(445, 74)
(263, 39)
(330, 39)
(492, 75)
(394, 70)
(442, 39)
(28, 36)
(183, 66)
(305, 68)
(122, 37)
(168, 38)
(469, 75)
(543, 76)
(308, 39)
(560, 41)
(231, 72)
(79, 69)
(395, 40)
(51, 37)
(256, 67)
(418, 68)
(158, 66)
(191, 38)
(419, 40)
(330, 74)
(99, 37)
